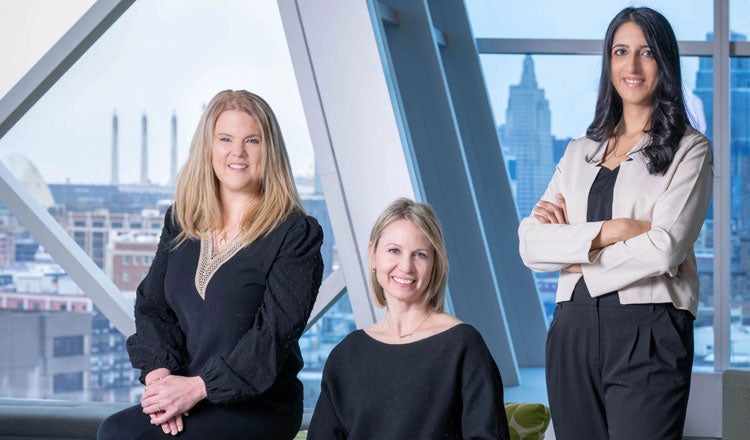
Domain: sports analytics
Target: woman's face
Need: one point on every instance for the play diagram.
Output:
(633, 69)
(403, 262)
(236, 152)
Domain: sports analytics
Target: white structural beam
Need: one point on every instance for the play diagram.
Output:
(354, 131)
(330, 291)
(14, 195)
(66, 252)
(58, 60)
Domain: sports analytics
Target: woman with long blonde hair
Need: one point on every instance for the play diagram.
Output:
(230, 290)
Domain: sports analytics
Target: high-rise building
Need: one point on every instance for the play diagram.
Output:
(739, 165)
(173, 152)
(526, 136)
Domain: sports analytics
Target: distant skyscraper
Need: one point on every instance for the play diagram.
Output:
(526, 134)
(173, 151)
(144, 149)
(115, 154)
(739, 89)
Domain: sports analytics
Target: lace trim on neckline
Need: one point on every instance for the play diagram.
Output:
(209, 262)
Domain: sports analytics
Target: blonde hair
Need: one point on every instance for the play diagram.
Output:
(197, 207)
(424, 217)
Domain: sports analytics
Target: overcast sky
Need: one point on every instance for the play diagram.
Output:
(174, 55)
(159, 57)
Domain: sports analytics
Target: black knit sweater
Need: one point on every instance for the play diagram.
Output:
(446, 386)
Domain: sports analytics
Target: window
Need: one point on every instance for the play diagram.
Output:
(67, 345)
(67, 382)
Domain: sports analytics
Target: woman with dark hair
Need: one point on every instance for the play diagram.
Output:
(230, 289)
(618, 220)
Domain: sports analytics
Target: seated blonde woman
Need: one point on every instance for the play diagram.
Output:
(419, 373)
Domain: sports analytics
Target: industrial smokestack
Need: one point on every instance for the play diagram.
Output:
(144, 150)
(173, 155)
(115, 154)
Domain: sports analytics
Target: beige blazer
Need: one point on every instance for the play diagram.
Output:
(675, 203)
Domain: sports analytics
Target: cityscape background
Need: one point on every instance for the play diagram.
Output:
(111, 195)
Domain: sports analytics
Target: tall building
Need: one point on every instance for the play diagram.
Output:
(173, 152)
(739, 165)
(526, 136)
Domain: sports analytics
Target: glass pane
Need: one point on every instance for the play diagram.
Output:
(46, 320)
(739, 299)
(319, 340)
(579, 18)
(126, 94)
(538, 111)
(29, 29)
(701, 101)
(739, 19)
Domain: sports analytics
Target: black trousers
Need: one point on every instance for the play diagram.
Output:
(247, 421)
(618, 372)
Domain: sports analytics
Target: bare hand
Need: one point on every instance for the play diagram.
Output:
(549, 213)
(678, 274)
(168, 399)
(173, 426)
(619, 229)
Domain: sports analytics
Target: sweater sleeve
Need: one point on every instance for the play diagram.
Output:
(551, 247)
(158, 341)
(325, 423)
(291, 288)
(483, 415)
(676, 222)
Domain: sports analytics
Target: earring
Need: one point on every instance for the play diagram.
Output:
(373, 270)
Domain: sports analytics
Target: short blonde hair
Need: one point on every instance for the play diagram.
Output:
(424, 217)
(197, 206)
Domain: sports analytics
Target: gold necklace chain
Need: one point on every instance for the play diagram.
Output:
(614, 149)
(222, 237)
(388, 321)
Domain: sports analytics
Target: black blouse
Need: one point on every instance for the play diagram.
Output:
(233, 318)
(599, 209)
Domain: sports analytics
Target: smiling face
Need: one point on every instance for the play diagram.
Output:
(633, 69)
(236, 153)
(403, 262)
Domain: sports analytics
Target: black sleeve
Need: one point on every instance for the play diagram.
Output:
(291, 288)
(483, 415)
(325, 423)
(158, 341)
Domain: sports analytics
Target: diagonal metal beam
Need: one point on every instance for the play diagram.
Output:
(61, 246)
(330, 291)
(58, 60)
(40, 78)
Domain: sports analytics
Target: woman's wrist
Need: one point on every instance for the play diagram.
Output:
(156, 375)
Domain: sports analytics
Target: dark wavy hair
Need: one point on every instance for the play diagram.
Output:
(668, 115)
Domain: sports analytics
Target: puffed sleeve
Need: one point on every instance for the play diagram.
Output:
(483, 415)
(291, 288)
(551, 247)
(158, 341)
(325, 423)
(677, 220)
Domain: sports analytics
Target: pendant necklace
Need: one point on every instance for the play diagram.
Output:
(388, 321)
